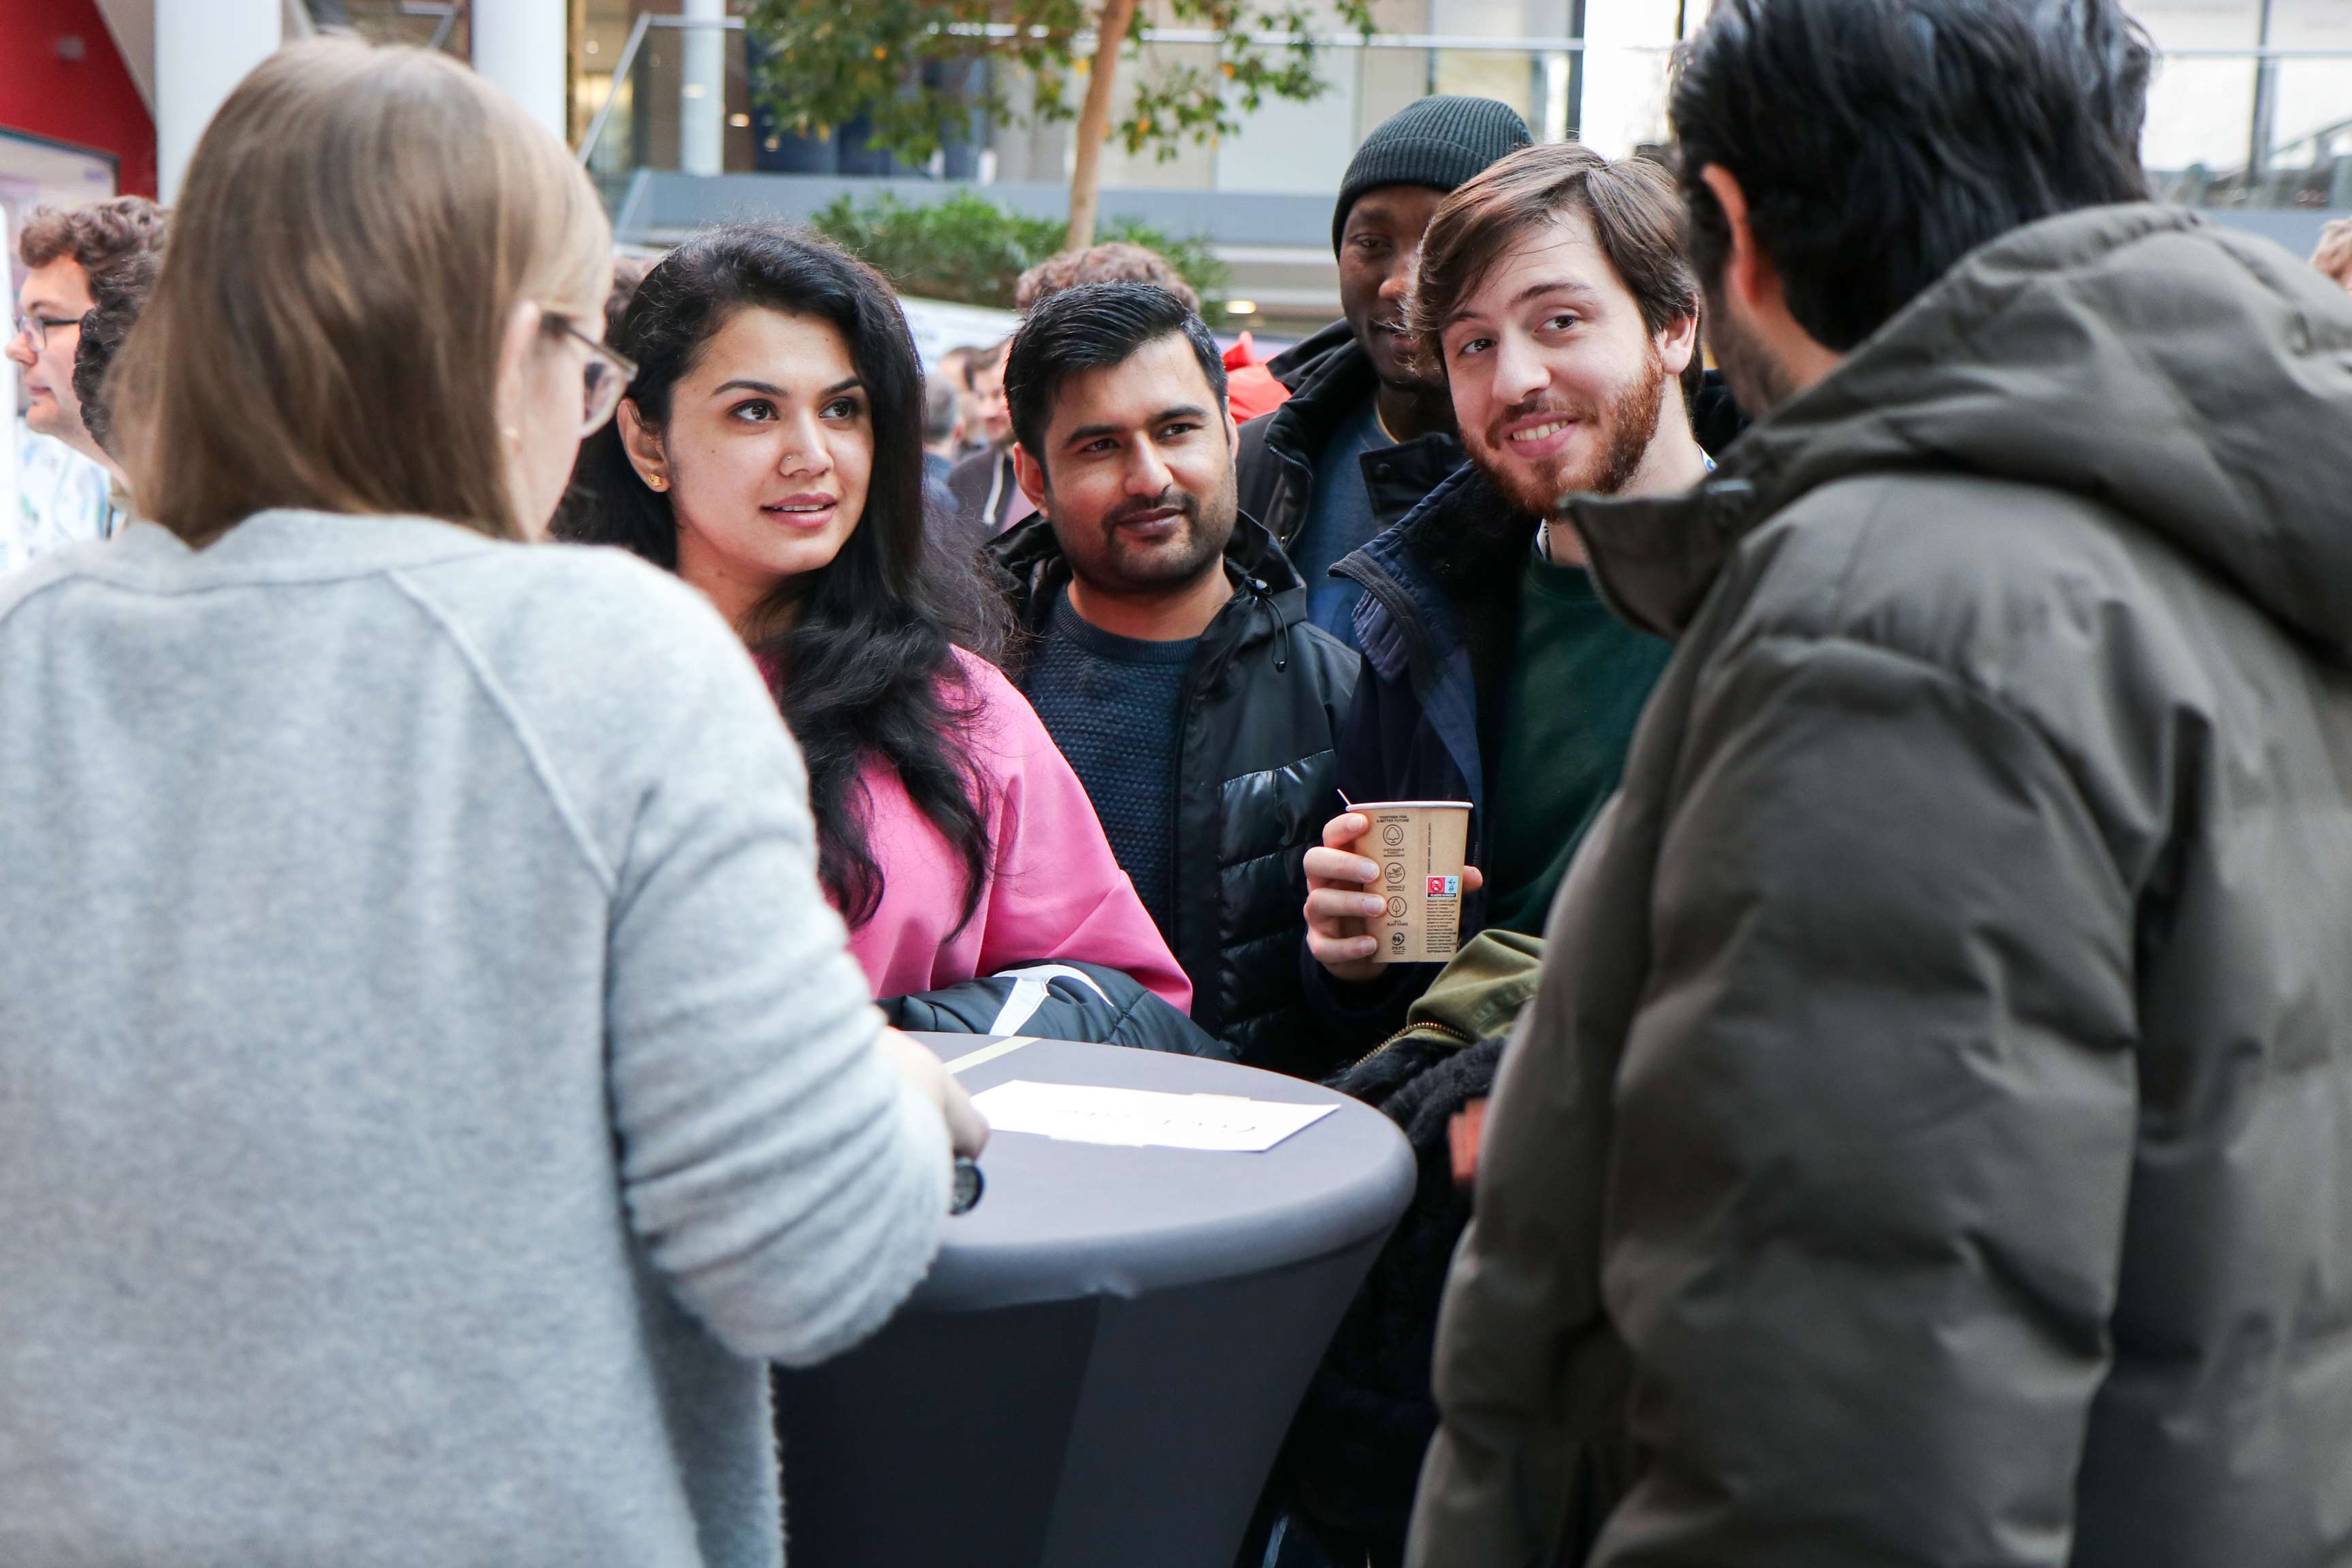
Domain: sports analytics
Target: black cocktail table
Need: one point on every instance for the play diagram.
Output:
(1102, 1363)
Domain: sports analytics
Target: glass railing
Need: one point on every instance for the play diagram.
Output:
(2226, 128)
(2245, 130)
(678, 95)
(431, 23)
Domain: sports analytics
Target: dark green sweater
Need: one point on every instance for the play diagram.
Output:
(1577, 685)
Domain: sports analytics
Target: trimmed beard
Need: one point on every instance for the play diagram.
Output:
(1626, 425)
(1113, 568)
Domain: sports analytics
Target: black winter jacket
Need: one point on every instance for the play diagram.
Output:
(983, 489)
(1329, 376)
(1263, 703)
(1065, 1000)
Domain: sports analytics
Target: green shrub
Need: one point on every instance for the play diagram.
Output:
(969, 250)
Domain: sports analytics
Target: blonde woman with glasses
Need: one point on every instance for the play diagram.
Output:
(431, 1076)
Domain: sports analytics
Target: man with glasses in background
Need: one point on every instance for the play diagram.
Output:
(64, 481)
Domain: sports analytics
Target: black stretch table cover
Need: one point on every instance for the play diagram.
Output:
(1104, 1358)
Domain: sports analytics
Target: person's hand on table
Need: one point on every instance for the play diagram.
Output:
(1338, 903)
(966, 1128)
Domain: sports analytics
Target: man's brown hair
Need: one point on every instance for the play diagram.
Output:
(1113, 261)
(1636, 217)
(98, 237)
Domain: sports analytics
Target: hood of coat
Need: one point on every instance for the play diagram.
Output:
(1330, 377)
(2196, 380)
(1294, 366)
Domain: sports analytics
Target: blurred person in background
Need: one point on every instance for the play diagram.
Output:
(1168, 651)
(2333, 254)
(1928, 1143)
(436, 1080)
(988, 497)
(1366, 433)
(942, 427)
(943, 402)
(770, 452)
(64, 481)
(1113, 261)
(954, 367)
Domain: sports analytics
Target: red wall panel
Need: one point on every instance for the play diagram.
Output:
(90, 102)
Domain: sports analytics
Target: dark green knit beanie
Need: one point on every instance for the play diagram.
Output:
(1438, 142)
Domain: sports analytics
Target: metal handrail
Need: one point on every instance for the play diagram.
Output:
(1145, 34)
(2266, 52)
(627, 59)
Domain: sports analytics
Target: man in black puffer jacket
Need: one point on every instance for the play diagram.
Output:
(1171, 656)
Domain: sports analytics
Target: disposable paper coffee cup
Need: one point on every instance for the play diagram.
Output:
(1418, 845)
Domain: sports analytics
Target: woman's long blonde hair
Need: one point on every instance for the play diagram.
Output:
(357, 227)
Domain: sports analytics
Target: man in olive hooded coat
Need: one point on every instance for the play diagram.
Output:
(1932, 1141)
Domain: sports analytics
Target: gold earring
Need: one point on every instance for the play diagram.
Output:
(656, 481)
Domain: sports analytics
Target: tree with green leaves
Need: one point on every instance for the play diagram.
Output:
(908, 66)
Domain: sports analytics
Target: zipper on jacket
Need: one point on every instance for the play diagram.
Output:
(1206, 673)
(1459, 1036)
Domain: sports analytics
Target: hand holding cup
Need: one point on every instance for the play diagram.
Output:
(1342, 900)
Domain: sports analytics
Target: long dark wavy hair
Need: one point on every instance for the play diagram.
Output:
(866, 670)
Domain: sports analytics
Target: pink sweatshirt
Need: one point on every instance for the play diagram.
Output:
(1056, 892)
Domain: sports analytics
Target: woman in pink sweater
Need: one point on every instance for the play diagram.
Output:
(770, 452)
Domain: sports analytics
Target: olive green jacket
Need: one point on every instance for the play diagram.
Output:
(1931, 1143)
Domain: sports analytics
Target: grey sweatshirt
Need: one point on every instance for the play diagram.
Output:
(430, 1078)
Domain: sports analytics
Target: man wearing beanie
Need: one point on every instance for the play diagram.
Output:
(1366, 436)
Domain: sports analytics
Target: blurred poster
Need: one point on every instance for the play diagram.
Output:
(939, 325)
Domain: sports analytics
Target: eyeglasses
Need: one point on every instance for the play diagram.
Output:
(38, 327)
(606, 377)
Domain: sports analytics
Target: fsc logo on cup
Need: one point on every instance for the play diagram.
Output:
(1443, 887)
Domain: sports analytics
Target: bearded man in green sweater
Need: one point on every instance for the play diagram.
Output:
(1556, 299)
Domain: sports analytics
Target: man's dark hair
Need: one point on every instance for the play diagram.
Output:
(1090, 327)
(1877, 142)
(121, 292)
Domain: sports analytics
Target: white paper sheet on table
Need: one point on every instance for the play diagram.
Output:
(1138, 1118)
